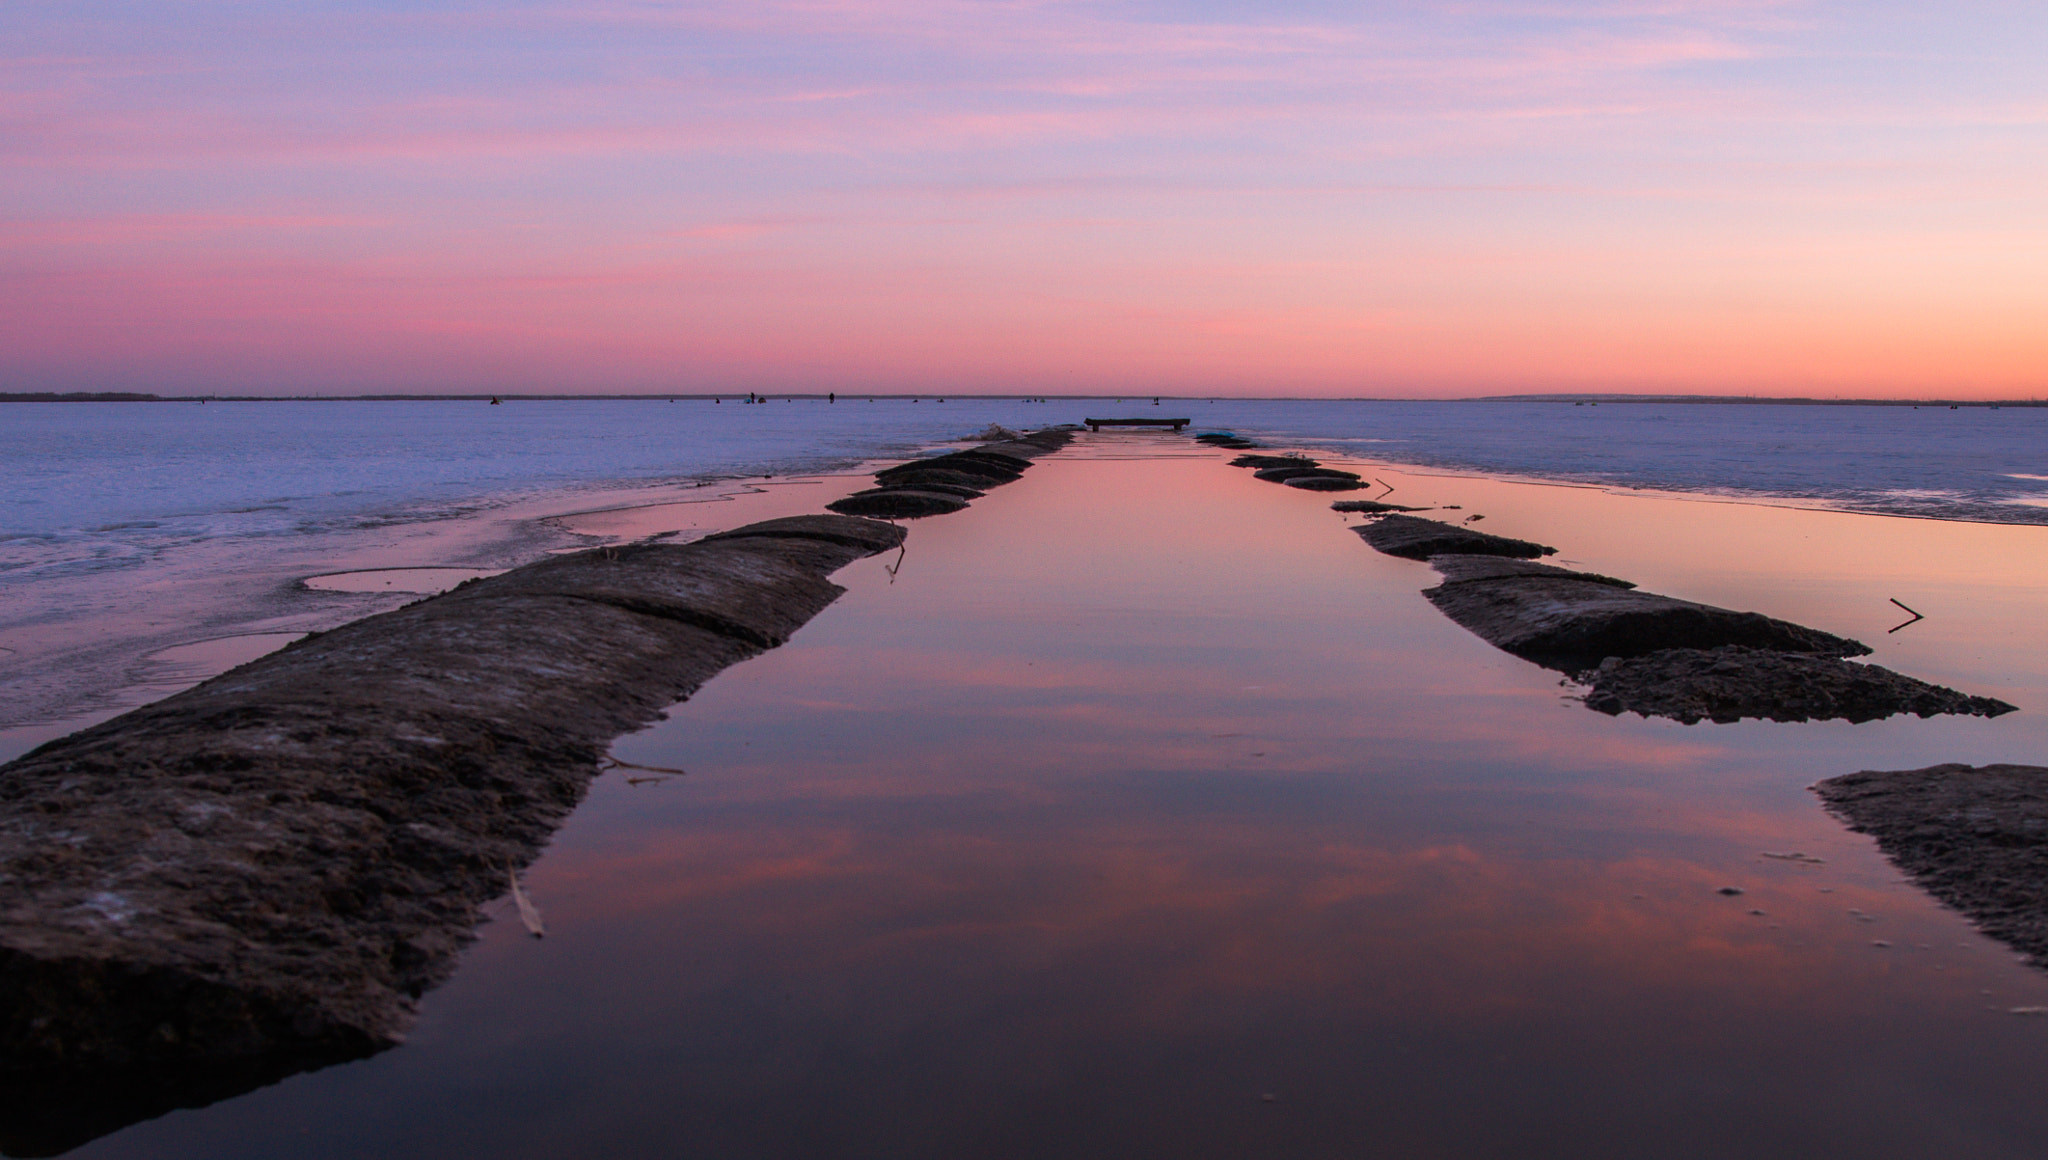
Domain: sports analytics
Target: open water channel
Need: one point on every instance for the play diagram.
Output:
(1142, 810)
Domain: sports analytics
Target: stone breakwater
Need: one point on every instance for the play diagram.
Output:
(1635, 651)
(943, 484)
(267, 870)
(263, 874)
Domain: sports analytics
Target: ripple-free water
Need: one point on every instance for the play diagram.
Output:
(1142, 810)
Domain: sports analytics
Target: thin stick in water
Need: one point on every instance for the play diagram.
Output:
(528, 912)
(1917, 617)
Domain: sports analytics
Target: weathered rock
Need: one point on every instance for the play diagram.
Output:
(1298, 471)
(987, 471)
(1415, 538)
(1371, 506)
(1032, 444)
(1262, 462)
(1730, 683)
(917, 483)
(865, 537)
(940, 479)
(1571, 624)
(262, 874)
(1975, 838)
(733, 587)
(993, 455)
(892, 503)
(1017, 450)
(944, 483)
(1646, 653)
(1324, 483)
(1457, 569)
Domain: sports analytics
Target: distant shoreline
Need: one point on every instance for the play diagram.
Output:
(1722, 400)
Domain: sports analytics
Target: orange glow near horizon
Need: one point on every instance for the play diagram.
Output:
(1749, 197)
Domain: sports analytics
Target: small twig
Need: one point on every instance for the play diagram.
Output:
(1917, 617)
(528, 912)
(892, 569)
(1385, 484)
(665, 771)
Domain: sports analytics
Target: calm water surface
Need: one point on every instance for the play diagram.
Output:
(129, 529)
(1145, 811)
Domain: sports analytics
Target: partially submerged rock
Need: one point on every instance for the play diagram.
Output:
(1729, 683)
(263, 873)
(1571, 623)
(1299, 471)
(1262, 462)
(1660, 657)
(940, 484)
(1456, 568)
(1975, 838)
(1335, 481)
(898, 503)
(941, 480)
(1372, 507)
(866, 537)
(1645, 653)
(985, 472)
(1415, 538)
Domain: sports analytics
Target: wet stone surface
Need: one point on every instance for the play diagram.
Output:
(1732, 682)
(1371, 507)
(1414, 538)
(942, 484)
(898, 503)
(263, 874)
(1460, 569)
(1568, 623)
(1304, 470)
(1974, 837)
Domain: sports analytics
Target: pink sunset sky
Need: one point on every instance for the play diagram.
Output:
(1290, 197)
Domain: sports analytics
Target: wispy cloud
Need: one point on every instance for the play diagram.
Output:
(1321, 193)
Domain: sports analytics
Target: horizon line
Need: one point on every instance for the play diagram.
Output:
(501, 396)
